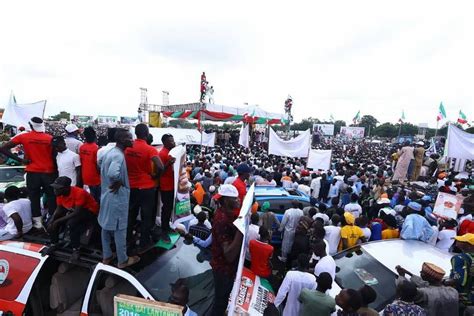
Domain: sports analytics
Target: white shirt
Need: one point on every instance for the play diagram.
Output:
(23, 208)
(333, 236)
(315, 186)
(323, 216)
(353, 208)
(252, 235)
(229, 180)
(73, 144)
(333, 191)
(304, 188)
(195, 221)
(367, 232)
(326, 264)
(292, 285)
(102, 151)
(67, 162)
(445, 239)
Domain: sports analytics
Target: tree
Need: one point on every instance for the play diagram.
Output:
(337, 126)
(369, 122)
(470, 130)
(305, 124)
(408, 129)
(385, 130)
(61, 115)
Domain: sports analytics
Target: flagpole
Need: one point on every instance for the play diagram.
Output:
(436, 131)
(400, 129)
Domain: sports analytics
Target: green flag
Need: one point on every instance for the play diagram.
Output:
(441, 113)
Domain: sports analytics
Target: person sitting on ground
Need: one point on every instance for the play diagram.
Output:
(261, 253)
(317, 302)
(75, 209)
(200, 229)
(369, 296)
(16, 214)
(404, 305)
(415, 226)
(392, 231)
(350, 301)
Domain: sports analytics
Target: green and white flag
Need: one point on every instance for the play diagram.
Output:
(356, 118)
(441, 113)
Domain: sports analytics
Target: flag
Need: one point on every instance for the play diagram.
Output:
(356, 118)
(441, 113)
(20, 114)
(244, 136)
(331, 118)
(462, 119)
(402, 118)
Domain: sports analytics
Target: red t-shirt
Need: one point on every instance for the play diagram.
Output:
(167, 176)
(38, 149)
(90, 173)
(78, 198)
(139, 169)
(260, 254)
(467, 226)
(241, 188)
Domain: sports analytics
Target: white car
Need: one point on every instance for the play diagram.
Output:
(374, 264)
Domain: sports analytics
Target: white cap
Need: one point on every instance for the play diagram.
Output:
(212, 188)
(227, 190)
(420, 143)
(197, 209)
(71, 128)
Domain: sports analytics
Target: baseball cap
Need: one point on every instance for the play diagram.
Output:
(71, 128)
(469, 238)
(227, 190)
(61, 182)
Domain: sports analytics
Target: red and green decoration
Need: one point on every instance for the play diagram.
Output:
(218, 116)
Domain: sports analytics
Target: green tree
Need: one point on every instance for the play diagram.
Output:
(408, 129)
(369, 122)
(385, 130)
(304, 124)
(61, 115)
(337, 126)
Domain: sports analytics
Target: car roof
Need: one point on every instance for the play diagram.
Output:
(410, 254)
(273, 191)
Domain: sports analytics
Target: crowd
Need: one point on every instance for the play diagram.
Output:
(370, 192)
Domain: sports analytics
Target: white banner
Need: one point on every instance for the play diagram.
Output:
(244, 136)
(459, 144)
(20, 114)
(319, 159)
(352, 132)
(323, 129)
(295, 147)
(183, 135)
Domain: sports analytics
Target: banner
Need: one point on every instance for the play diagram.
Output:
(459, 144)
(107, 120)
(125, 305)
(352, 132)
(448, 205)
(154, 119)
(20, 114)
(245, 298)
(182, 198)
(319, 159)
(295, 147)
(244, 136)
(129, 120)
(183, 135)
(82, 119)
(323, 129)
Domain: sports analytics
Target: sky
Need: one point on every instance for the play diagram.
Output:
(332, 57)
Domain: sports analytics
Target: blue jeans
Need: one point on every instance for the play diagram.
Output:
(120, 237)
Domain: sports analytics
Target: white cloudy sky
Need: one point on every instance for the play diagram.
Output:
(331, 56)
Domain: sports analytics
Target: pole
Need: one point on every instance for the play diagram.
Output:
(44, 108)
(400, 129)
(436, 131)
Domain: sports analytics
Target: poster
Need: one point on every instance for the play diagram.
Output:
(352, 132)
(448, 205)
(125, 305)
(250, 294)
(184, 135)
(323, 129)
(82, 119)
(128, 120)
(319, 159)
(154, 119)
(107, 120)
(182, 186)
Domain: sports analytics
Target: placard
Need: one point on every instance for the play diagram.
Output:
(323, 129)
(448, 205)
(352, 132)
(125, 305)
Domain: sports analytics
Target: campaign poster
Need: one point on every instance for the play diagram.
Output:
(448, 205)
(107, 120)
(323, 129)
(154, 119)
(352, 132)
(128, 120)
(82, 119)
(182, 186)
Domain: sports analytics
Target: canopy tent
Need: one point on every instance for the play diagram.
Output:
(215, 112)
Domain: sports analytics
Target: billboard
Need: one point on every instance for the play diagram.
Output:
(323, 129)
(82, 119)
(103, 119)
(154, 119)
(128, 120)
(352, 132)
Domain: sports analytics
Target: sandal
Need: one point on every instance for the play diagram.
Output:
(130, 262)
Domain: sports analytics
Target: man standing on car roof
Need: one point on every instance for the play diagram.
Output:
(166, 185)
(226, 244)
(114, 201)
(40, 169)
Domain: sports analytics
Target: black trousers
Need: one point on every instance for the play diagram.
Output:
(36, 183)
(76, 224)
(222, 287)
(167, 201)
(142, 201)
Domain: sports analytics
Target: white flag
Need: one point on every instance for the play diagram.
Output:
(295, 147)
(20, 114)
(319, 159)
(244, 136)
(459, 144)
(208, 139)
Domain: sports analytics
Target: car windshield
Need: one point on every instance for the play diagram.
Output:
(187, 262)
(356, 267)
(11, 175)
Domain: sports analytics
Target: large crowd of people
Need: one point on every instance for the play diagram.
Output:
(372, 191)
